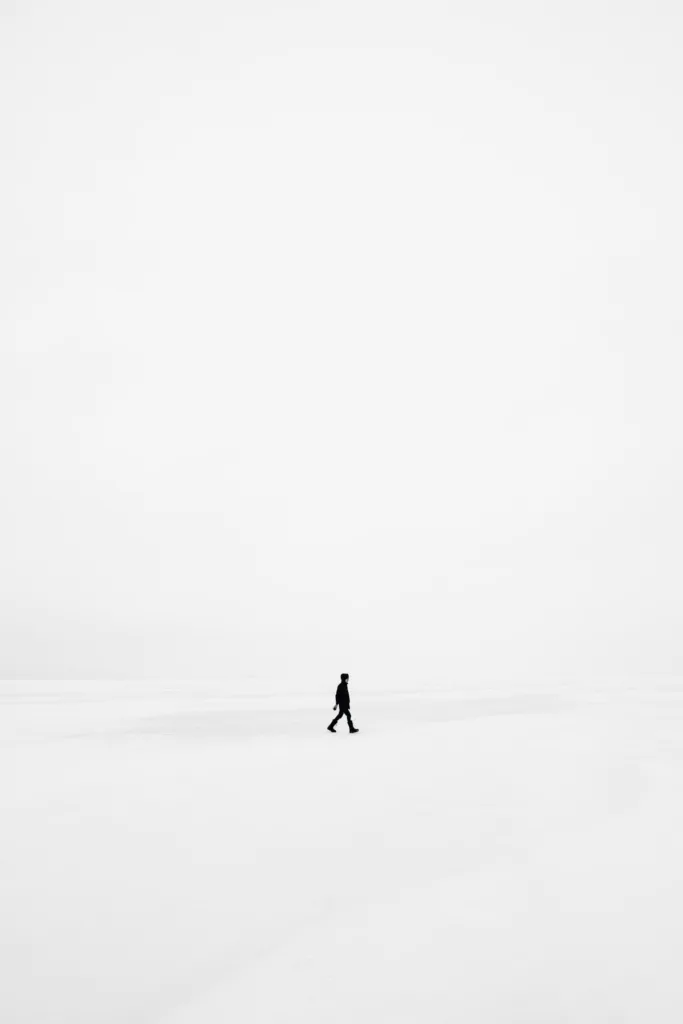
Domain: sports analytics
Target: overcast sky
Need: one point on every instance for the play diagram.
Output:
(341, 337)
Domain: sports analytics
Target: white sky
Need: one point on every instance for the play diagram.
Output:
(341, 337)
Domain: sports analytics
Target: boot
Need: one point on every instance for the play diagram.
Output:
(331, 728)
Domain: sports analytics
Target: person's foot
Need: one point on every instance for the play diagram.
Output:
(330, 729)
(353, 729)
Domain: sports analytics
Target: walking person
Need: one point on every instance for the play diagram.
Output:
(343, 702)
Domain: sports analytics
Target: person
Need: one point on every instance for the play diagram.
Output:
(343, 702)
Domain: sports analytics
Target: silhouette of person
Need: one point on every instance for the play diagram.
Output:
(343, 702)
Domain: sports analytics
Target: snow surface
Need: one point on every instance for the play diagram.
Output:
(172, 854)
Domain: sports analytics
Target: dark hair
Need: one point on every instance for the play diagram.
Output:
(344, 675)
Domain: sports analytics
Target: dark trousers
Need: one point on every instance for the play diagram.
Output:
(342, 711)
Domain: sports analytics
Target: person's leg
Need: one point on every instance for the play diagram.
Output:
(334, 721)
(352, 727)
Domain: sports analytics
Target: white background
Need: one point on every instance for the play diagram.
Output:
(341, 337)
(174, 856)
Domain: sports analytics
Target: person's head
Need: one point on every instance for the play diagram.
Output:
(345, 677)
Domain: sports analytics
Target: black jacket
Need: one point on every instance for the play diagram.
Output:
(342, 697)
